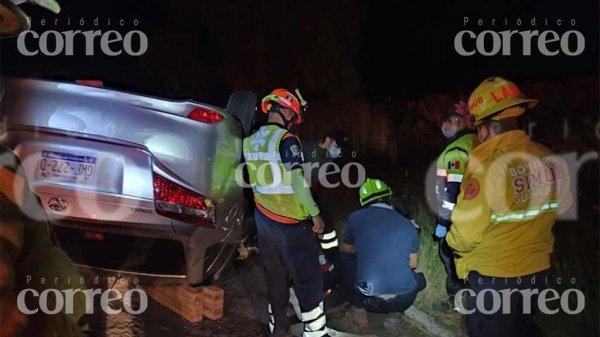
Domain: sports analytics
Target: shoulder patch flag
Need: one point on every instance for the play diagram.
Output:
(454, 165)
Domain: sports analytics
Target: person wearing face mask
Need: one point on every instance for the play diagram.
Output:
(319, 160)
(513, 191)
(287, 218)
(451, 166)
(317, 154)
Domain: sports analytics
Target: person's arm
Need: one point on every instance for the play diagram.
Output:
(347, 248)
(471, 216)
(455, 162)
(302, 193)
(413, 257)
(413, 260)
(292, 159)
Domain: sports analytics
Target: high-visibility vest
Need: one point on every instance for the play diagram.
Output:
(270, 181)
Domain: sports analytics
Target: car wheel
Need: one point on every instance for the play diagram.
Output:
(242, 105)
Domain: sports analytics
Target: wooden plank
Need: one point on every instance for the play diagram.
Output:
(175, 302)
(208, 303)
(213, 293)
(181, 293)
(189, 302)
(213, 314)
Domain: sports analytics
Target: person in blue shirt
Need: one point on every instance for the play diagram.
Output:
(380, 251)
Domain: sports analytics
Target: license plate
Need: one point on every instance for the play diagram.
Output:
(68, 167)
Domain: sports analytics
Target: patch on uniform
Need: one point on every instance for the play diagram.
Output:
(295, 151)
(472, 189)
(454, 165)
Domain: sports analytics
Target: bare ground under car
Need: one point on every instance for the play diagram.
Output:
(245, 312)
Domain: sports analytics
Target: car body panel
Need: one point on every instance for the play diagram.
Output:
(123, 138)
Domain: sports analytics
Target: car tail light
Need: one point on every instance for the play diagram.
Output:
(205, 115)
(93, 236)
(177, 202)
(91, 83)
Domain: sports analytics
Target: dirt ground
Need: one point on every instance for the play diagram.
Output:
(245, 313)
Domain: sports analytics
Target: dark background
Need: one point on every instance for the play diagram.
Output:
(203, 49)
(382, 70)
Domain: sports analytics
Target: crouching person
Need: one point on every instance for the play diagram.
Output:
(379, 254)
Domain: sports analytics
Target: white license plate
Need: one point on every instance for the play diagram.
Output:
(66, 167)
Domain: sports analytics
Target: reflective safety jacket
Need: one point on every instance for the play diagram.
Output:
(271, 182)
(451, 166)
(514, 189)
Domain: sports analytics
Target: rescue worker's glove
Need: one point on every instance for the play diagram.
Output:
(440, 231)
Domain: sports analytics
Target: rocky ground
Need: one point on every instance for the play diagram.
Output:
(245, 313)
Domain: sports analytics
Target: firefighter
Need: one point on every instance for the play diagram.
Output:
(451, 166)
(28, 256)
(286, 215)
(319, 160)
(513, 190)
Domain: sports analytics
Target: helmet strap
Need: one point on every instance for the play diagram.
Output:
(287, 123)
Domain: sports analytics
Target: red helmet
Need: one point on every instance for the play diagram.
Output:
(285, 99)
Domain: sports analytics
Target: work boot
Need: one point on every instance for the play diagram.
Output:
(445, 306)
(358, 316)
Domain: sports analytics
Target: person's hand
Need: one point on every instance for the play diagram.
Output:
(440, 231)
(416, 225)
(318, 224)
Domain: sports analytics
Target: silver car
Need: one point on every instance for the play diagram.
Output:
(133, 183)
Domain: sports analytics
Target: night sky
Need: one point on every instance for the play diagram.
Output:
(203, 49)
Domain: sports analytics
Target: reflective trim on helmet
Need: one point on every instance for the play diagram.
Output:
(375, 196)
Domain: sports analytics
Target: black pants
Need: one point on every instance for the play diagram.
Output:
(516, 323)
(453, 283)
(347, 272)
(290, 253)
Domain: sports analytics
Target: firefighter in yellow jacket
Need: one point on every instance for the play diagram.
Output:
(513, 190)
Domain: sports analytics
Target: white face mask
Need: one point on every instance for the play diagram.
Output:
(334, 152)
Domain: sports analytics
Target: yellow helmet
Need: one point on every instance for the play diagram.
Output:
(494, 96)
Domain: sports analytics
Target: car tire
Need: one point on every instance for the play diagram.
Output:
(242, 105)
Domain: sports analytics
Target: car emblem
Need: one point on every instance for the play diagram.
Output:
(57, 204)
